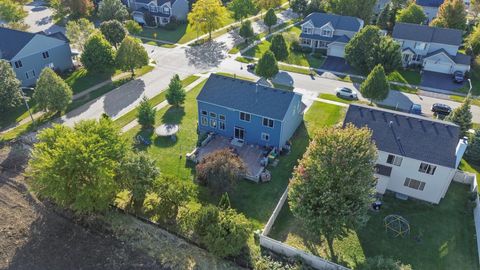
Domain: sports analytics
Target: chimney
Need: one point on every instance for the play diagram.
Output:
(461, 148)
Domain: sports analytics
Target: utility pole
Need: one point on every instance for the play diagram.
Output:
(26, 103)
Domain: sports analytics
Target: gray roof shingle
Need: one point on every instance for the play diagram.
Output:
(408, 135)
(338, 21)
(246, 96)
(12, 41)
(426, 33)
(429, 3)
(459, 58)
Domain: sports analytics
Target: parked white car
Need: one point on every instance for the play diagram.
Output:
(344, 92)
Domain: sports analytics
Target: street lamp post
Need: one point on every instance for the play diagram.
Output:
(26, 103)
(469, 90)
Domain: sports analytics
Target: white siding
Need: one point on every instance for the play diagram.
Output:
(435, 185)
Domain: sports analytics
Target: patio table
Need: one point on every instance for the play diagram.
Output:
(167, 130)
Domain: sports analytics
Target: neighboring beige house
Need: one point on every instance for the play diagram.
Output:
(161, 10)
(434, 48)
(417, 156)
(329, 31)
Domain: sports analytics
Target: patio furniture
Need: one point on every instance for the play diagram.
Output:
(167, 130)
(141, 140)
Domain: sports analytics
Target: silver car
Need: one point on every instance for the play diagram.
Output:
(344, 92)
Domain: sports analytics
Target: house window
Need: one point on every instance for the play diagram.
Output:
(204, 121)
(166, 10)
(213, 115)
(45, 55)
(306, 42)
(326, 32)
(18, 64)
(221, 117)
(153, 8)
(417, 57)
(30, 74)
(415, 184)
(395, 160)
(427, 168)
(307, 30)
(204, 112)
(213, 123)
(245, 116)
(221, 125)
(268, 122)
(420, 45)
(164, 20)
(265, 137)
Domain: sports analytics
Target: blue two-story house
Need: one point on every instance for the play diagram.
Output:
(248, 112)
(29, 53)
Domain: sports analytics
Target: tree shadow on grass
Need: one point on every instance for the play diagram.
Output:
(174, 115)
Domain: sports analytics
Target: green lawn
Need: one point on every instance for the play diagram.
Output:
(132, 115)
(81, 79)
(335, 98)
(475, 101)
(256, 201)
(448, 240)
(294, 58)
(470, 167)
(407, 77)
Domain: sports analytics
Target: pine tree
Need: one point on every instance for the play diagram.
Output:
(375, 87)
(267, 66)
(279, 47)
(462, 116)
(146, 114)
(270, 19)
(175, 93)
(246, 30)
(473, 150)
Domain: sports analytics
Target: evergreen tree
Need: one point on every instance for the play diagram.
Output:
(270, 19)
(279, 47)
(246, 30)
(267, 66)
(52, 93)
(175, 93)
(133, 27)
(375, 87)
(473, 150)
(462, 116)
(384, 18)
(451, 14)
(224, 203)
(10, 87)
(473, 41)
(146, 114)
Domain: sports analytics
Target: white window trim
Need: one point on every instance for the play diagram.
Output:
(397, 160)
(268, 120)
(204, 121)
(240, 117)
(429, 168)
(214, 121)
(408, 181)
(265, 137)
(220, 126)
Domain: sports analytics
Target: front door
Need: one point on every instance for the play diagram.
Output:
(239, 133)
(316, 44)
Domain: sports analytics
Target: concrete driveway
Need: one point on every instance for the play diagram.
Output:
(336, 64)
(439, 81)
(40, 18)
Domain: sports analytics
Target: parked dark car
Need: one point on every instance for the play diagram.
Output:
(416, 109)
(441, 109)
(458, 77)
(251, 67)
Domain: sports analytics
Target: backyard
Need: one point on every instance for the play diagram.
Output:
(441, 236)
(295, 58)
(256, 201)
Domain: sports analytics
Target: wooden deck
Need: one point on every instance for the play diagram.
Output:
(250, 154)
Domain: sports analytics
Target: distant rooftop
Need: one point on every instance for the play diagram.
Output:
(425, 33)
(246, 96)
(408, 135)
(338, 21)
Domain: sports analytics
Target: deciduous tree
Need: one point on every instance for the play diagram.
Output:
(270, 19)
(112, 10)
(362, 9)
(241, 8)
(462, 116)
(473, 41)
(385, 17)
(332, 186)
(131, 55)
(137, 173)
(146, 114)
(113, 31)
(451, 14)
(98, 54)
(220, 171)
(10, 11)
(267, 66)
(207, 16)
(268, 4)
(79, 8)
(246, 30)
(76, 167)
(133, 27)
(78, 32)
(316, 6)
(10, 87)
(52, 93)
(300, 7)
(376, 86)
(279, 47)
(413, 13)
(175, 92)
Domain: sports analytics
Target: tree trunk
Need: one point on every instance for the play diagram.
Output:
(133, 72)
(330, 247)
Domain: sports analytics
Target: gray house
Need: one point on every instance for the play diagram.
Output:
(430, 7)
(30, 53)
(434, 48)
(161, 10)
(329, 31)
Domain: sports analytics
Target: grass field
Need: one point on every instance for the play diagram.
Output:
(435, 241)
(294, 57)
(256, 201)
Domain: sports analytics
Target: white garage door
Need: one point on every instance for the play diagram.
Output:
(336, 50)
(441, 67)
